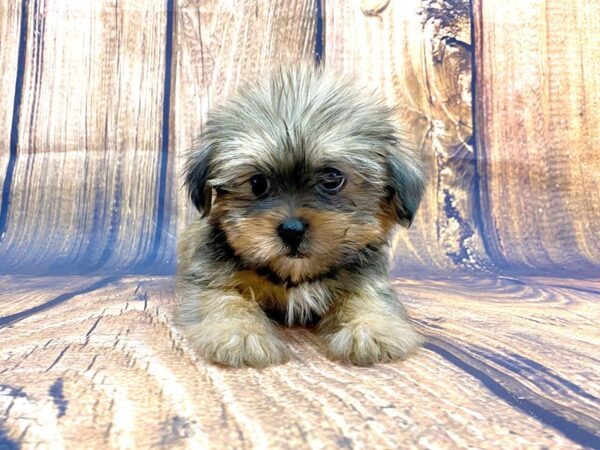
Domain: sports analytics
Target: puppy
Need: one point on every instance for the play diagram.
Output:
(300, 179)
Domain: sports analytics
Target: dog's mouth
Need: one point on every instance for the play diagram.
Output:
(297, 254)
(296, 251)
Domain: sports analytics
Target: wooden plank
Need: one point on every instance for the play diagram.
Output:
(221, 45)
(532, 330)
(82, 212)
(10, 28)
(11, 31)
(23, 296)
(88, 186)
(538, 81)
(107, 368)
(419, 55)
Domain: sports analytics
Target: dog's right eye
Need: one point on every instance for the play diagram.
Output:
(260, 186)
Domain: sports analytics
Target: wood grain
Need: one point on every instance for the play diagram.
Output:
(11, 46)
(538, 81)
(221, 45)
(38, 293)
(533, 328)
(419, 54)
(86, 191)
(10, 21)
(108, 365)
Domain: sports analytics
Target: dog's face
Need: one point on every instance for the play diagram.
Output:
(303, 171)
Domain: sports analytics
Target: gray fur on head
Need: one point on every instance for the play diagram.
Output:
(305, 114)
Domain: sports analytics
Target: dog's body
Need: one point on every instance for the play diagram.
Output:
(302, 178)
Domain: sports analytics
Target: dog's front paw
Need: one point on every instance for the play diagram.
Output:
(239, 344)
(372, 339)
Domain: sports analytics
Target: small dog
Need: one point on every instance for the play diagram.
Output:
(300, 179)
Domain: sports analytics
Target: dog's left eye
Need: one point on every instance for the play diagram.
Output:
(331, 181)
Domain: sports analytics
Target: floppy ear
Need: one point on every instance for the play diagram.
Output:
(406, 186)
(196, 174)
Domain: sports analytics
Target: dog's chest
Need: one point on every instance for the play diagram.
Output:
(300, 303)
(306, 301)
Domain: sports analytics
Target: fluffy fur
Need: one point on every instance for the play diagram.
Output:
(291, 130)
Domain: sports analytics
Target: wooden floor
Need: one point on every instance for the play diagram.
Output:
(509, 363)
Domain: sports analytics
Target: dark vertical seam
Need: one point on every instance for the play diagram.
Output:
(318, 51)
(164, 157)
(14, 129)
(478, 190)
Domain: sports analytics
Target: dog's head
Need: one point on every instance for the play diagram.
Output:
(302, 171)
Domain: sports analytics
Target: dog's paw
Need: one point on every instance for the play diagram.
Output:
(239, 344)
(372, 339)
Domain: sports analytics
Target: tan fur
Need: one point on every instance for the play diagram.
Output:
(363, 329)
(233, 265)
(228, 324)
(328, 230)
(231, 329)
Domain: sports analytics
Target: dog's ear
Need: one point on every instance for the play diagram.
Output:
(405, 186)
(197, 170)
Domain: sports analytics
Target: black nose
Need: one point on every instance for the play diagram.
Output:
(291, 231)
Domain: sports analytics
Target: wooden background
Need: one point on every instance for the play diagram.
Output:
(500, 270)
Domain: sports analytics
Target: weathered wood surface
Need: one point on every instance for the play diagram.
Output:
(506, 366)
(539, 131)
(89, 182)
(418, 53)
(10, 30)
(9, 45)
(99, 102)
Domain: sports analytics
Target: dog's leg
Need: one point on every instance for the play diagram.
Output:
(368, 326)
(227, 328)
